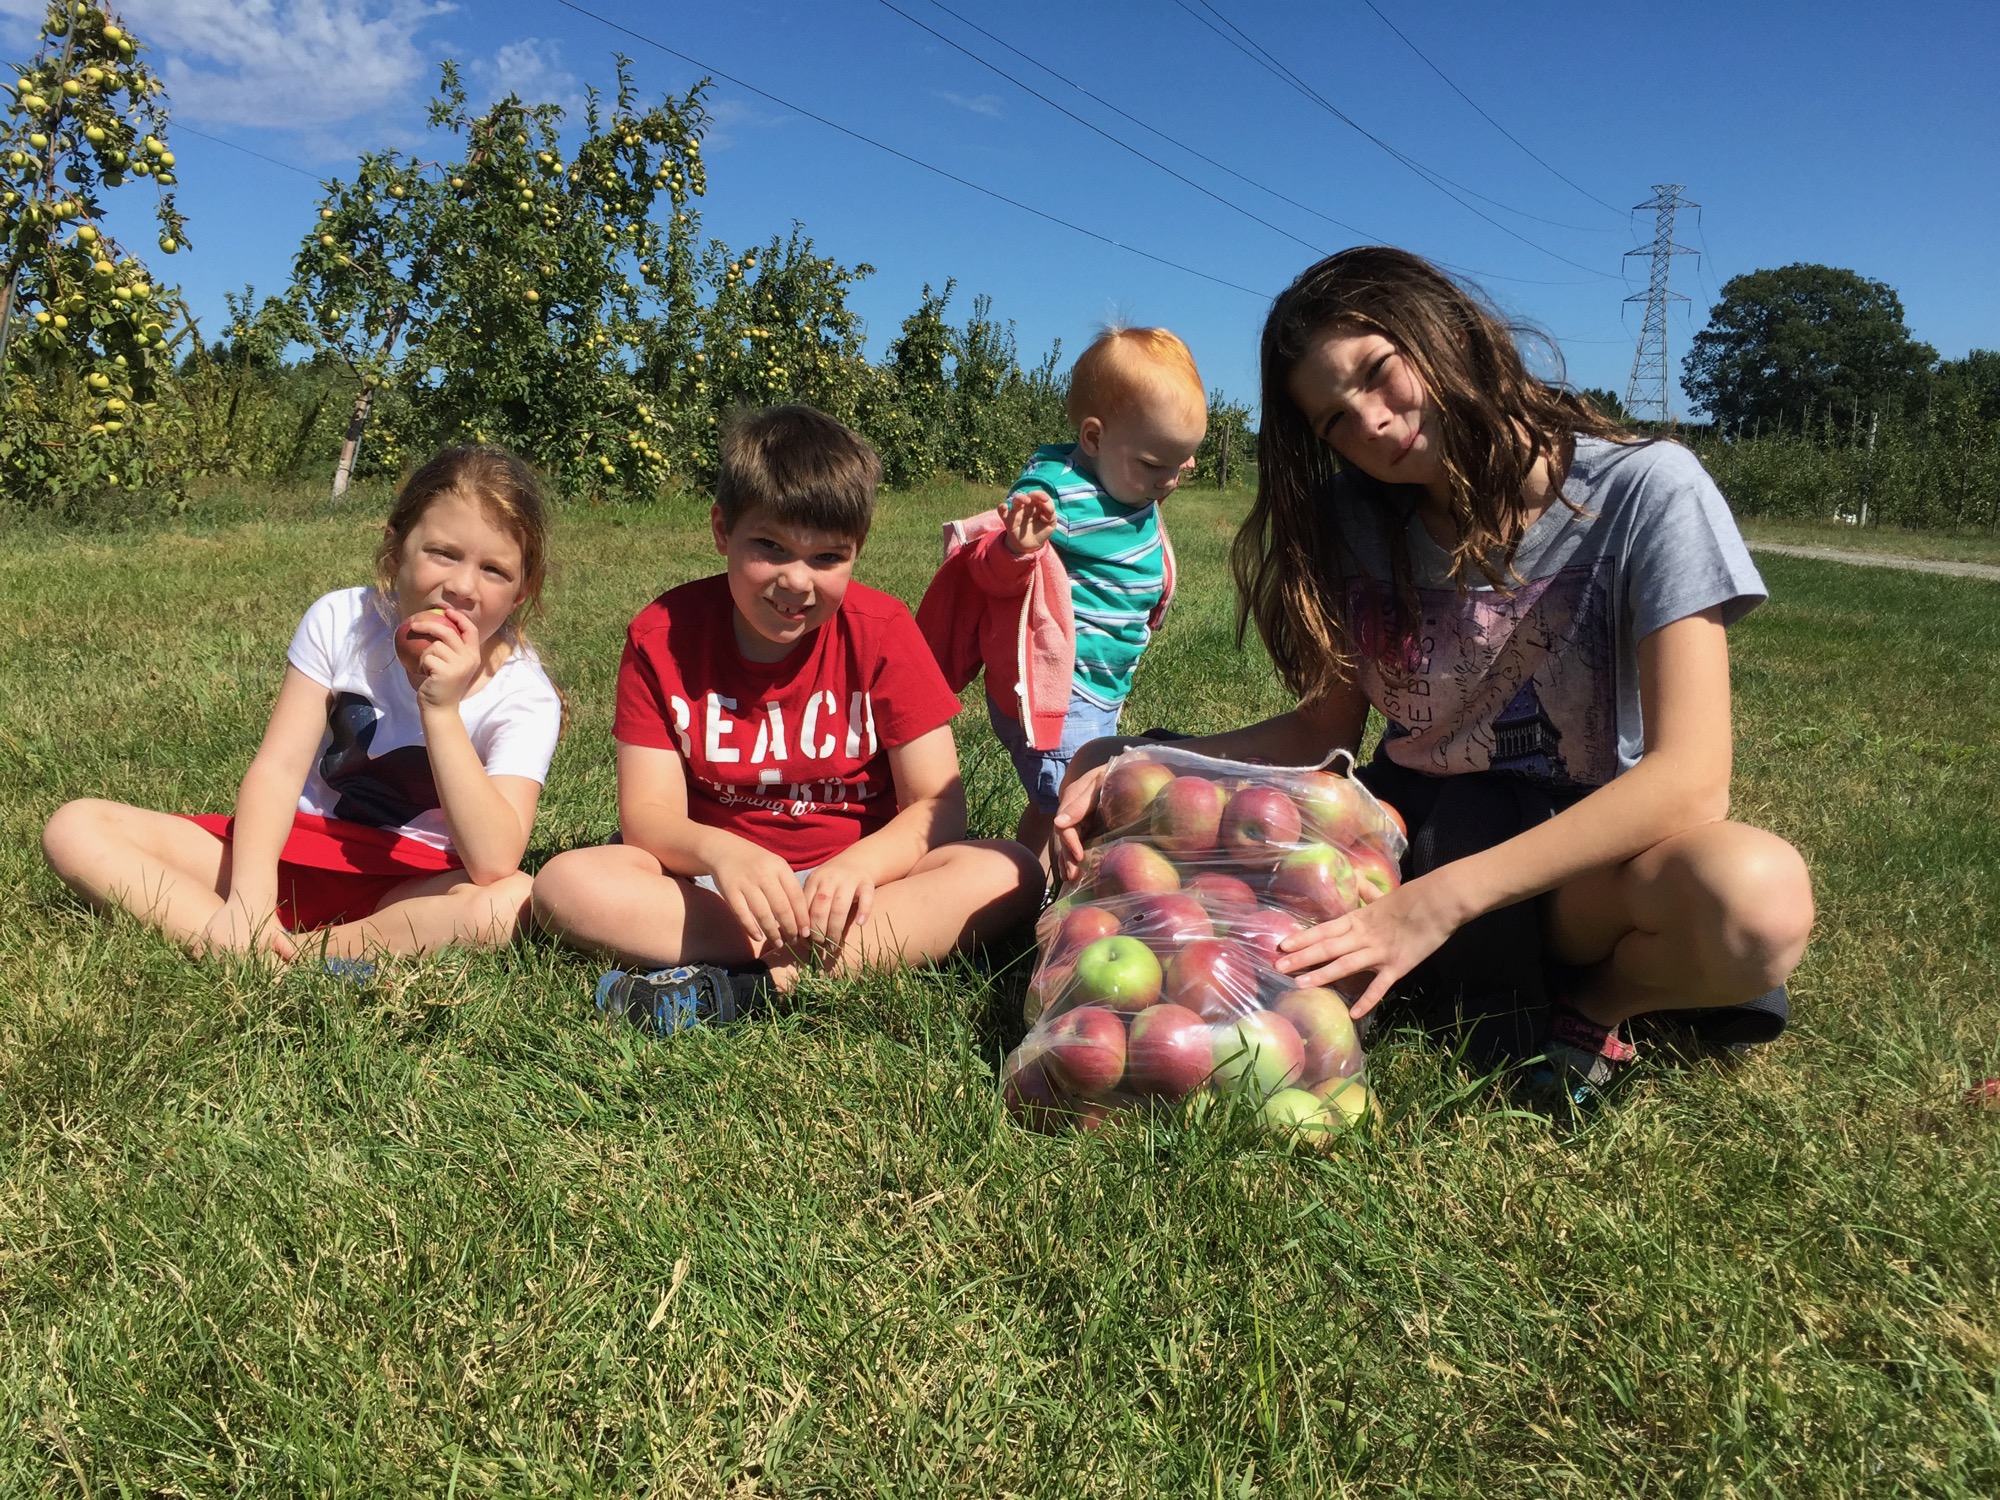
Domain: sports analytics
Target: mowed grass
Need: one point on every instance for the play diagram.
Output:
(262, 1234)
(1964, 544)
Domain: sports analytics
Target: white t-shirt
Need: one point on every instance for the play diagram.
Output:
(372, 766)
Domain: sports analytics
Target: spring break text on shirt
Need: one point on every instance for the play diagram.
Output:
(722, 737)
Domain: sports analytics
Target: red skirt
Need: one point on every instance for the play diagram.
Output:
(331, 872)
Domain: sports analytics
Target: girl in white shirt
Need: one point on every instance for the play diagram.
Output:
(390, 802)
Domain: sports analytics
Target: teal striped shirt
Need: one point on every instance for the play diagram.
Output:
(1117, 570)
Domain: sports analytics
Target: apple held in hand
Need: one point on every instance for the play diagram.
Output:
(1259, 824)
(1169, 1052)
(1084, 1049)
(1166, 921)
(1120, 972)
(1132, 868)
(1129, 788)
(418, 634)
(1186, 815)
(1213, 978)
(1326, 1031)
(1258, 1054)
(1317, 882)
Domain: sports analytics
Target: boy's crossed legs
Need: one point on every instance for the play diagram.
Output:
(618, 901)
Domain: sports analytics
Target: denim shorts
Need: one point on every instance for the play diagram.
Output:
(1042, 771)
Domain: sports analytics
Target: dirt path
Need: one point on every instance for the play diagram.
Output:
(1882, 560)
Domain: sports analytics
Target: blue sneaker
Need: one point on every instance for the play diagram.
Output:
(668, 1000)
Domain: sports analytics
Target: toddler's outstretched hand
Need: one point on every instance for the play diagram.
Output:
(1031, 521)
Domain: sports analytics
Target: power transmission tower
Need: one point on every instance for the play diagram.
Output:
(1647, 393)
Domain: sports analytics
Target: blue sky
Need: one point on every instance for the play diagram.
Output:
(1851, 134)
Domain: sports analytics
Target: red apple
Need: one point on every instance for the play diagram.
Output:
(1375, 874)
(1166, 921)
(1264, 928)
(1120, 972)
(418, 634)
(1317, 882)
(1332, 1049)
(1258, 824)
(1394, 817)
(1169, 1051)
(1259, 1053)
(1085, 1049)
(1213, 978)
(1080, 927)
(1335, 811)
(1223, 894)
(1129, 867)
(1032, 1096)
(1186, 815)
(1128, 788)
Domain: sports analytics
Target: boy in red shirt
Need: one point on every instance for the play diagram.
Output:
(787, 783)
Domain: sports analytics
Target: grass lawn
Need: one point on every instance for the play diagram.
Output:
(446, 1236)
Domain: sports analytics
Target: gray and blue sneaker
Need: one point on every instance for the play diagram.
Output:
(669, 1000)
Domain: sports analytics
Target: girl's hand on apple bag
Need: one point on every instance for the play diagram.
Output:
(1384, 939)
(837, 898)
(451, 660)
(763, 893)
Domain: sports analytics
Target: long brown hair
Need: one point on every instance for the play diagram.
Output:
(505, 487)
(1495, 422)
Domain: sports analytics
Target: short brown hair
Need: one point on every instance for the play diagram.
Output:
(505, 488)
(802, 466)
(1125, 366)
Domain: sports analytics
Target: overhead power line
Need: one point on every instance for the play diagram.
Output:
(179, 129)
(915, 161)
(1364, 235)
(1400, 36)
(1099, 130)
(1257, 54)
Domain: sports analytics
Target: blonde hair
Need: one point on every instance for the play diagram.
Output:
(505, 487)
(1124, 367)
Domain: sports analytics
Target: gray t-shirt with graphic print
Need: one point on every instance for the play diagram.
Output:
(1542, 680)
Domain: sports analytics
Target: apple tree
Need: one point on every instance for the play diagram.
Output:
(83, 325)
(493, 298)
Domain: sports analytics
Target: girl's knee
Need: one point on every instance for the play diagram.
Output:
(563, 883)
(72, 829)
(1762, 909)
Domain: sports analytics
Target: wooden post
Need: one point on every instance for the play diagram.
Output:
(351, 444)
(1222, 462)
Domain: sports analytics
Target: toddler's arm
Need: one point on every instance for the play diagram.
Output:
(759, 887)
(930, 810)
(489, 816)
(1031, 521)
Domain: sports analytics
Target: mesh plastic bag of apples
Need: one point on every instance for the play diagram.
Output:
(1155, 984)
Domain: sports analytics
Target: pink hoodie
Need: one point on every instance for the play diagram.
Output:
(1011, 615)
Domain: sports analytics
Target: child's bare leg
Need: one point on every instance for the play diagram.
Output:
(440, 911)
(1714, 916)
(1035, 832)
(166, 871)
(956, 896)
(617, 901)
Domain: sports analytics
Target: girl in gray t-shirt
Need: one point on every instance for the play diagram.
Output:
(1535, 600)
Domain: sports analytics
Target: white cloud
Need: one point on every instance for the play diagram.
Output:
(286, 64)
(531, 68)
(727, 116)
(979, 104)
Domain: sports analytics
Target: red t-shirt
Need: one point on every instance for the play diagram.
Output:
(793, 754)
